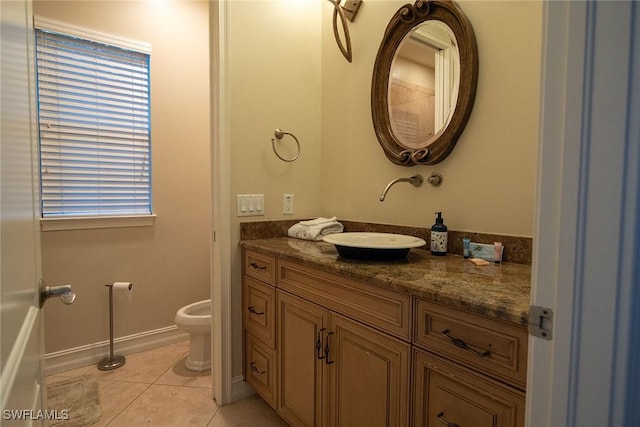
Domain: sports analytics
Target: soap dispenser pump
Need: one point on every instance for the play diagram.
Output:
(439, 236)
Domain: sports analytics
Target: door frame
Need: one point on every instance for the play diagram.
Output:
(221, 318)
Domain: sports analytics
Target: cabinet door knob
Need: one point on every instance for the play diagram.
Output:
(257, 267)
(440, 418)
(463, 345)
(253, 310)
(255, 369)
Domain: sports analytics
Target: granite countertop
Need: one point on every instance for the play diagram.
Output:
(497, 290)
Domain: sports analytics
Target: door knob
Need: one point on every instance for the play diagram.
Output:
(62, 291)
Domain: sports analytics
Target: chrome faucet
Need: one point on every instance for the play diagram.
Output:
(415, 180)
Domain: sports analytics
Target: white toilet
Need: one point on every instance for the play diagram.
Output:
(196, 319)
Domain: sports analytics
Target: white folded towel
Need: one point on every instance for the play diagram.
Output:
(315, 229)
(318, 221)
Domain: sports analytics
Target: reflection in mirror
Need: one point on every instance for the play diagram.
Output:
(423, 85)
(424, 82)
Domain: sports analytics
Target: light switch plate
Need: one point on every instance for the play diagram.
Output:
(249, 204)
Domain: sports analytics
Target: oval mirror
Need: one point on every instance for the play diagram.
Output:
(424, 82)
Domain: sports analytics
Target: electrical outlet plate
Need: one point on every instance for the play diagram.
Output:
(288, 205)
(250, 204)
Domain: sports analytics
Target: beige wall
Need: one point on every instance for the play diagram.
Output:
(169, 262)
(489, 178)
(286, 71)
(274, 82)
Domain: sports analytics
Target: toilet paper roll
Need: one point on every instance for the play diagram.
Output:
(123, 288)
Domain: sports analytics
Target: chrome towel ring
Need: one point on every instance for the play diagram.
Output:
(279, 134)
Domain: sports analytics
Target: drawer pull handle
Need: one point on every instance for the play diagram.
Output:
(443, 421)
(319, 345)
(463, 345)
(256, 370)
(258, 267)
(326, 351)
(253, 311)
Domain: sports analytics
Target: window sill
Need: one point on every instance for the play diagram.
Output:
(86, 223)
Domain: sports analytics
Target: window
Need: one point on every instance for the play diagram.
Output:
(94, 127)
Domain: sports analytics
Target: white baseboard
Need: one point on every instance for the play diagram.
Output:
(240, 389)
(78, 357)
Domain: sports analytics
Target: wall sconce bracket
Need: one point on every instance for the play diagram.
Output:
(350, 8)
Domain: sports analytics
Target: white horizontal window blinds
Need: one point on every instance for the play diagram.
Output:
(93, 106)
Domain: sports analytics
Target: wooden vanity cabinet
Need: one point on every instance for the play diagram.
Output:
(325, 350)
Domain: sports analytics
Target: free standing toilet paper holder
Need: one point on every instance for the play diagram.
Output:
(112, 361)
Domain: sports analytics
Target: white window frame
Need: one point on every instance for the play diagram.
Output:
(98, 221)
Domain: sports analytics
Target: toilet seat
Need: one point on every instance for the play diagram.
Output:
(198, 313)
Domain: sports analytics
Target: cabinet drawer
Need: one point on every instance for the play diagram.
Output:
(259, 310)
(259, 266)
(382, 308)
(445, 393)
(489, 346)
(260, 368)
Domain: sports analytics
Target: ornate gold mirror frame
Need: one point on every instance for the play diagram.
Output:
(405, 20)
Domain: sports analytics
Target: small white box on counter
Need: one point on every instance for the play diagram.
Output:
(485, 251)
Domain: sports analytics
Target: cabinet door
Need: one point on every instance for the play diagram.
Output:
(368, 374)
(300, 328)
(446, 394)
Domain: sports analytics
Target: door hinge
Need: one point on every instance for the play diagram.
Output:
(541, 322)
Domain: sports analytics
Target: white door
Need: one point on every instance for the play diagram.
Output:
(21, 351)
(588, 224)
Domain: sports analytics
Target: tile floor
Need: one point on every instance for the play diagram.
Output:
(153, 388)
